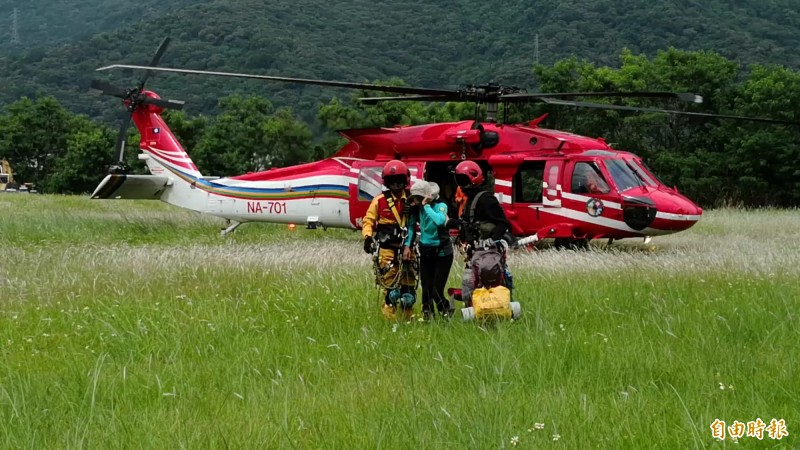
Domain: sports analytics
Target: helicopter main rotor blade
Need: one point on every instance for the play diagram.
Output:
(154, 62)
(164, 103)
(426, 98)
(466, 96)
(664, 111)
(523, 96)
(342, 84)
(109, 89)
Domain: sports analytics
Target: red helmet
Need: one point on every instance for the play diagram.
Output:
(469, 174)
(396, 172)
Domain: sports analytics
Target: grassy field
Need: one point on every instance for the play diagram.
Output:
(135, 325)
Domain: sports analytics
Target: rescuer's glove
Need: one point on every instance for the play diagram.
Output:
(369, 244)
(502, 246)
(486, 244)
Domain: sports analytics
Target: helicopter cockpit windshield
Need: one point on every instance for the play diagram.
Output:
(624, 176)
(644, 172)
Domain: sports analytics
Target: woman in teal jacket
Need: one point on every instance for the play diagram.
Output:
(435, 246)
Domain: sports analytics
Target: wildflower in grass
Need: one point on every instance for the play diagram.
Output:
(556, 437)
(514, 440)
(537, 426)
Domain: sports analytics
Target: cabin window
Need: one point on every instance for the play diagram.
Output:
(528, 182)
(552, 178)
(587, 179)
(370, 183)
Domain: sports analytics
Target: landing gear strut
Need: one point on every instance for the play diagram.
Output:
(232, 225)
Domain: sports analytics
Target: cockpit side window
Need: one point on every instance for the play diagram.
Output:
(528, 182)
(587, 179)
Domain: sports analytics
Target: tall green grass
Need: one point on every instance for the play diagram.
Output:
(135, 325)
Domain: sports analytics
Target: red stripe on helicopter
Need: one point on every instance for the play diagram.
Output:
(188, 164)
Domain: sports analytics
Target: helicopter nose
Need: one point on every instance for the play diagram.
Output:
(675, 212)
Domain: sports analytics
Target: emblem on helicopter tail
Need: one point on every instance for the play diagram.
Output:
(594, 207)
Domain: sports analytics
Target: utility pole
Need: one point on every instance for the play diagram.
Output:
(15, 27)
(536, 49)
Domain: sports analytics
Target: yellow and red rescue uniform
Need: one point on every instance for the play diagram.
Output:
(386, 222)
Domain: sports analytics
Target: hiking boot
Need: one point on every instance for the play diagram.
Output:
(389, 312)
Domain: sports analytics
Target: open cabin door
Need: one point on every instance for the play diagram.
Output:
(369, 184)
(527, 197)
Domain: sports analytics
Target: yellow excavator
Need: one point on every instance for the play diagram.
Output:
(7, 183)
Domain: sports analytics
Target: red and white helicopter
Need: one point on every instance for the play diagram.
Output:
(551, 184)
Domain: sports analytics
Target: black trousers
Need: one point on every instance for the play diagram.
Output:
(433, 273)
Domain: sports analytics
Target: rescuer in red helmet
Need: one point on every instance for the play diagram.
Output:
(384, 229)
(482, 216)
(482, 233)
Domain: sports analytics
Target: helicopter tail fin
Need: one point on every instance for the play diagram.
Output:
(165, 153)
(173, 175)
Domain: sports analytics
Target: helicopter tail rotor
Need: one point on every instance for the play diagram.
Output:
(133, 98)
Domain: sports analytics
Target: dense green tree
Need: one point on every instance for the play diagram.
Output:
(713, 161)
(337, 115)
(188, 130)
(234, 143)
(90, 147)
(33, 136)
(248, 136)
(763, 162)
(287, 141)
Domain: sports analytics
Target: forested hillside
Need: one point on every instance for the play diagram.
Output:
(439, 44)
(45, 24)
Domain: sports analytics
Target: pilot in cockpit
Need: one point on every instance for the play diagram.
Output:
(587, 179)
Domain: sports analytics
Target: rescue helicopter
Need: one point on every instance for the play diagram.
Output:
(552, 184)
